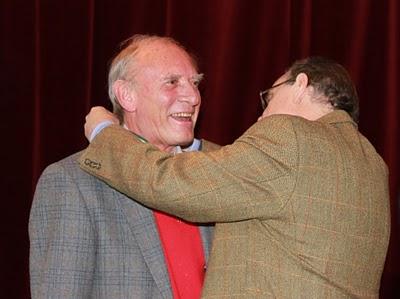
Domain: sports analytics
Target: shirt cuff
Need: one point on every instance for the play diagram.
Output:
(104, 124)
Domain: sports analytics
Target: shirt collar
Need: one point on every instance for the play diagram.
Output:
(195, 146)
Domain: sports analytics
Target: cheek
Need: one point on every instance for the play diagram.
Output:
(167, 99)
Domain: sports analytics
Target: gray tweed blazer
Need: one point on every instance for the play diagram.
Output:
(89, 241)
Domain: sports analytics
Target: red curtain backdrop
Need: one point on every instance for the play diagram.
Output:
(54, 57)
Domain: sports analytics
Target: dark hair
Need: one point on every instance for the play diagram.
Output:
(331, 80)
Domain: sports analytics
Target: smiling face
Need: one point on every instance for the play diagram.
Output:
(166, 95)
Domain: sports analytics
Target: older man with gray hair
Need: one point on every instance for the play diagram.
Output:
(90, 241)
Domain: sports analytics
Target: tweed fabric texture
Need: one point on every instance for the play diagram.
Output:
(90, 241)
(302, 207)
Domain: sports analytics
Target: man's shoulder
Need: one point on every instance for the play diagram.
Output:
(277, 128)
(66, 177)
(69, 163)
(208, 145)
(71, 159)
(67, 168)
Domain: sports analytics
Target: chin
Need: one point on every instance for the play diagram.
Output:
(185, 141)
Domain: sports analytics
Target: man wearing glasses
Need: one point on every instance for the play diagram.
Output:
(300, 199)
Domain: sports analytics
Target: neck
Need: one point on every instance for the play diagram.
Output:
(131, 126)
(313, 108)
(318, 111)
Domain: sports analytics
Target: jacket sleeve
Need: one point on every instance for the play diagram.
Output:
(252, 178)
(62, 251)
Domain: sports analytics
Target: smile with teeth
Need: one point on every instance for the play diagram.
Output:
(182, 116)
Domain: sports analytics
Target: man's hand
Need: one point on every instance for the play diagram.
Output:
(97, 115)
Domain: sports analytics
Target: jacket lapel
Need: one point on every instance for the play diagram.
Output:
(143, 227)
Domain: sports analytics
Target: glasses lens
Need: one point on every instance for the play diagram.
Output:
(264, 95)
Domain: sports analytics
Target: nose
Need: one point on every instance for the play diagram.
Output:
(190, 93)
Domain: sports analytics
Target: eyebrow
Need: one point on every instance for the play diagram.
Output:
(199, 77)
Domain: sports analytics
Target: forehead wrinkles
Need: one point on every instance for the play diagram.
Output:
(159, 55)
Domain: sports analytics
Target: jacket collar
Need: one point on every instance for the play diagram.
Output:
(337, 116)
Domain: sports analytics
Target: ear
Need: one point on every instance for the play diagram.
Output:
(301, 84)
(125, 95)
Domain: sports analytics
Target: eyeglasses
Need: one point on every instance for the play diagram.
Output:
(265, 94)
